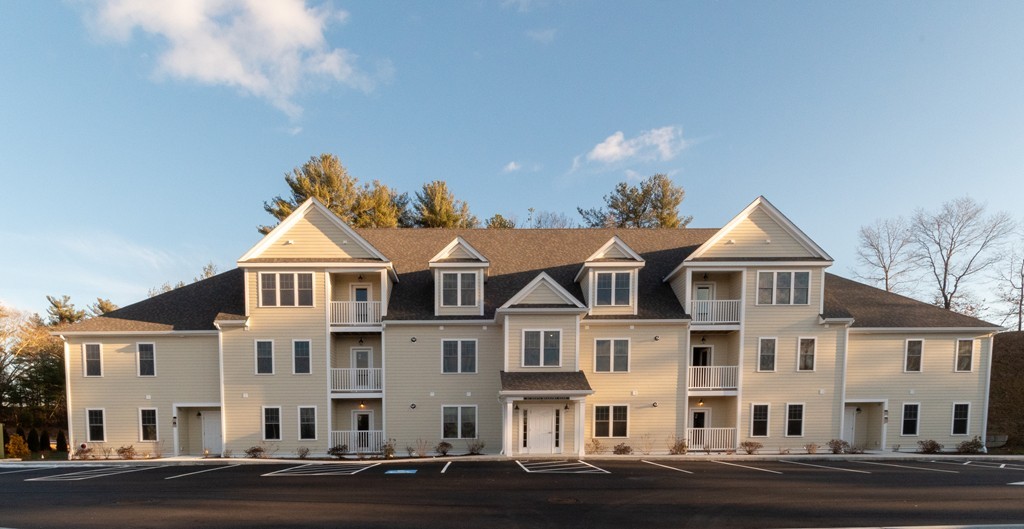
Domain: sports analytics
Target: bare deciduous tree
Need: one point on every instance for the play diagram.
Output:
(885, 251)
(956, 243)
(1009, 278)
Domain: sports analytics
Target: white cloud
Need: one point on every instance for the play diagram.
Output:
(271, 50)
(511, 167)
(656, 144)
(543, 36)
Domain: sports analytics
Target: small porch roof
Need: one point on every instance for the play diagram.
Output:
(561, 383)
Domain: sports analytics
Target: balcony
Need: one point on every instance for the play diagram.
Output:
(711, 439)
(355, 312)
(358, 441)
(713, 378)
(715, 311)
(357, 380)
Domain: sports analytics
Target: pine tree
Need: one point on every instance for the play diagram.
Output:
(44, 440)
(102, 306)
(322, 177)
(33, 440)
(436, 207)
(499, 222)
(378, 206)
(62, 441)
(62, 311)
(654, 203)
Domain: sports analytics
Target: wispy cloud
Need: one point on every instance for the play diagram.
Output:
(271, 50)
(511, 167)
(656, 144)
(543, 36)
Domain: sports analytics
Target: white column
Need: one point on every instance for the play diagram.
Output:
(581, 413)
(506, 438)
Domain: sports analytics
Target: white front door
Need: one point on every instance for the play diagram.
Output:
(540, 424)
(361, 423)
(362, 362)
(213, 439)
(850, 424)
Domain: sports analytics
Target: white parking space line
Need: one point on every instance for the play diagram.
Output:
(314, 469)
(33, 469)
(906, 466)
(222, 467)
(982, 464)
(560, 467)
(93, 474)
(595, 468)
(744, 466)
(445, 469)
(665, 466)
(823, 466)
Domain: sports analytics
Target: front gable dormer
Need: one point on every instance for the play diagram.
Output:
(609, 279)
(459, 271)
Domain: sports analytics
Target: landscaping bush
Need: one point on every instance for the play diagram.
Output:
(622, 449)
(337, 451)
(83, 452)
(475, 448)
(974, 446)
(302, 452)
(751, 447)
(811, 448)
(838, 446)
(929, 446)
(678, 446)
(17, 448)
(595, 447)
(44, 440)
(387, 450)
(127, 452)
(32, 440)
(443, 448)
(62, 441)
(255, 452)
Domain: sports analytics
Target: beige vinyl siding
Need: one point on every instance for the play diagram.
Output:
(343, 344)
(585, 287)
(245, 393)
(615, 252)
(413, 376)
(518, 323)
(315, 236)
(460, 252)
(818, 390)
(473, 310)
(656, 374)
(875, 372)
(678, 284)
(341, 285)
(543, 294)
(186, 371)
(750, 238)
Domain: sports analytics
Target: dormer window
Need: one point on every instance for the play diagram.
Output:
(613, 288)
(458, 289)
(286, 289)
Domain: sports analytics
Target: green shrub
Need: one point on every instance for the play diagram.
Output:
(974, 446)
(751, 447)
(337, 451)
(17, 448)
(62, 441)
(929, 446)
(838, 446)
(32, 440)
(622, 449)
(443, 448)
(44, 440)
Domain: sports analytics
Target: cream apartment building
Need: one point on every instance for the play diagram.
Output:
(526, 341)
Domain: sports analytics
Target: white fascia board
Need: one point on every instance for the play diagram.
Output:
(615, 241)
(705, 266)
(459, 241)
(544, 393)
(543, 277)
(482, 264)
(133, 333)
(841, 321)
(551, 310)
(608, 264)
(975, 331)
(439, 322)
(811, 263)
(605, 321)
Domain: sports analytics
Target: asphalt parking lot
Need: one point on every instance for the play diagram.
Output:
(725, 492)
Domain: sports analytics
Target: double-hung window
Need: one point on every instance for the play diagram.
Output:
(147, 425)
(783, 288)
(458, 289)
(301, 361)
(458, 356)
(964, 355)
(458, 422)
(766, 354)
(611, 356)
(759, 420)
(307, 423)
(286, 289)
(271, 424)
(93, 360)
(794, 420)
(264, 357)
(910, 419)
(542, 348)
(805, 354)
(97, 431)
(961, 413)
(913, 355)
(146, 359)
(613, 288)
(611, 421)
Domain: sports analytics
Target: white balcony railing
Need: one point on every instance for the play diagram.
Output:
(711, 439)
(355, 312)
(715, 311)
(357, 379)
(713, 377)
(358, 442)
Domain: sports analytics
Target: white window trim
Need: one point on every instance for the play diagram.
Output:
(85, 361)
(775, 363)
(917, 424)
(906, 353)
(310, 342)
(88, 426)
(768, 420)
(952, 421)
(458, 363)
(522, 348)
(263, 423)
(458, 289)
(711, 353)
(138, 359)
(298, 423)
(277, 289)
(956, 355)
(775, 282)
(256, 358)
(815, 358)
(476, 425)
(803, 419)
(611, 358)
(632, 288)
(611, 421)
(156, 415)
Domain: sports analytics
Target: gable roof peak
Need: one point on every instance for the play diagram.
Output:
(460, 249)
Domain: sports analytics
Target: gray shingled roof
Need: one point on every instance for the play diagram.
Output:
(558, 381)
(872, 307)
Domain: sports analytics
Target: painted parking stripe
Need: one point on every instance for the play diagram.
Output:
(665, 466)
(595, 468)
(910, 467)
(93, 474)
(745, 466)
(445, 469)
(313, 469)
(560, 467)
(33, 469)
(222, 467)
(823, 466)
(983, 464)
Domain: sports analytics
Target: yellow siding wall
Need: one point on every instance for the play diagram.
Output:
(518, 323)
(543, 294)
(314, 236)
(750, 238)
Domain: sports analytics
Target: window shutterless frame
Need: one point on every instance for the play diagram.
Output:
(298, 359)
(913, 355)
(95, 425)
(911, 418)
(961, 424)
(145, 359)
(307, 417)
(806, 354)
(795, 419)
(767, 356)
(149, 425)
(286, 289)
(610, 421)
(266, 354)
(465, 357)
(618, 362)
(964, 355)
(543, 346)
(465, 421)
(92, 360)
(760, 419)
(783, 287)
(273, 426)
(462, 287)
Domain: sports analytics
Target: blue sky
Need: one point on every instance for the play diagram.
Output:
(139, 142)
